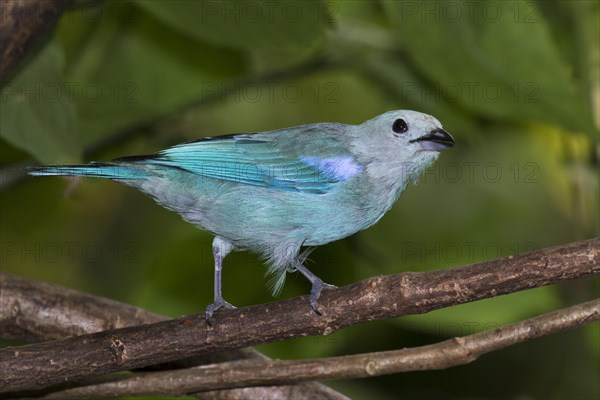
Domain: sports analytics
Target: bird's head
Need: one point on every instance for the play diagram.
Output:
(399, 145)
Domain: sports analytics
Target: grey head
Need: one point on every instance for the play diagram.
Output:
(398, 146)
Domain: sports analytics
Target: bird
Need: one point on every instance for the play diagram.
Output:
(281, 193)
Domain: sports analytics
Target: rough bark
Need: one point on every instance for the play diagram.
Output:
(44, 364)
(449, 353)
(34, 311)
(22, 25)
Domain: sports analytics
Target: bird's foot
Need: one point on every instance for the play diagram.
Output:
(315, 292)
(211, 308)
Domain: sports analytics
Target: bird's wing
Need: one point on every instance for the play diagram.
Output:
(265, 160)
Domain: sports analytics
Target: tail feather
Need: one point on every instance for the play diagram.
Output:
(94, 169)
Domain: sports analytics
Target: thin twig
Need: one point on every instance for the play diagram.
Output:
(34, 311)
(449, 353)
(41, 365)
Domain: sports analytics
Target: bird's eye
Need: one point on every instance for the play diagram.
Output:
(400, 126)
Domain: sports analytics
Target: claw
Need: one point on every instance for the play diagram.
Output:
(211, 308)
(315, 292)
(317, 285)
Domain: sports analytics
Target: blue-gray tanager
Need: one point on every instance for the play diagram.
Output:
(277, 192)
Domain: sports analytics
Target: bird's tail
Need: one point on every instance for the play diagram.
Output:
(94, 169)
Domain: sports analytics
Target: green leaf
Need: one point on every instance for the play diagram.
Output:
(498, 59)
(134, 70)
(394, 77)
(281, 25)
(38, 109)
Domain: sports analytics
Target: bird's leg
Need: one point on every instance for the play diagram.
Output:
(317, 285)
(221, 248)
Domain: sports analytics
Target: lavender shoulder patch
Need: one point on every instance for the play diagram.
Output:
(337, 168)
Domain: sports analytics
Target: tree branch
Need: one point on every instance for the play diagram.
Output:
(40, 365)
(449, 353)
(23, 24)
(36, 311)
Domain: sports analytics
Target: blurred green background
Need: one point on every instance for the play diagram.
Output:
(515, 82)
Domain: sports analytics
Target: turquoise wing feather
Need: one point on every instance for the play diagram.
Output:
(262, 160)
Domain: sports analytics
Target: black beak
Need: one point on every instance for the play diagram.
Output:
(438, 140)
